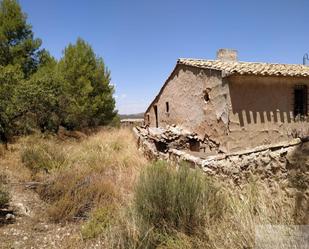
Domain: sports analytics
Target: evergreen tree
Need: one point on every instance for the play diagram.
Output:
(88, 99)
(38, 92)
(42, 94)
(19, 58)
(17, 44)
(10, 107)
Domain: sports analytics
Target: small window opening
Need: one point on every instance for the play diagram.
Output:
(167, 107)
(300, 100)
(161, 146)
(206, 95)
(155, 107)
(194, 145)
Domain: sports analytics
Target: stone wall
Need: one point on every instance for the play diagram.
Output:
(286, 162)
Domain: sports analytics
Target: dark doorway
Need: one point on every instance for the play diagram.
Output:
(161, 146)
(194, 145)
(300, 100)
(156, 114)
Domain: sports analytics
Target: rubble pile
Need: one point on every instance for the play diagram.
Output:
(282, 160)
(173, 137)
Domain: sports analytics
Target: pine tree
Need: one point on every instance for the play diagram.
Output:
(88, 99)
(17, 44)
(19, 58)
(10, 107)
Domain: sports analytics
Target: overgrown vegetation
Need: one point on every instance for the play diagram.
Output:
(100, 219)
(179, 200)
(103, 181)
(183, 209)
(44, 155)
(4, 197)
(83, 175)
(39, 92)
(124, 201)
(4, 194)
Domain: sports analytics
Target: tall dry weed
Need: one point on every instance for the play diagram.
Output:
(100, 181)
(84, 175)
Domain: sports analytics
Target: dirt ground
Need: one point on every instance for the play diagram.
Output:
(31, 227)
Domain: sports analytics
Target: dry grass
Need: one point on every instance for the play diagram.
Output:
(169, 199)
(84, 175)
(43, 154)
(95, 179)
(244, 209)
(4, 195)
(2, 150)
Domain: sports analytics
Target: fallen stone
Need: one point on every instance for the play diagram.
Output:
(20, 209)
(10, 217)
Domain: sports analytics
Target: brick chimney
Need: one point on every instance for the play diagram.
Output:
(224, 54)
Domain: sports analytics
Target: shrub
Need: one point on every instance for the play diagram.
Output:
(87, 175)
(176, 241)
(176, 199)
(42, 155)
(98, 222)
(4, 196)
(73, 194)
(115, 122)
(2, 150)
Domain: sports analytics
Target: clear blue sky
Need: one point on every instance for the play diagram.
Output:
(140, 40)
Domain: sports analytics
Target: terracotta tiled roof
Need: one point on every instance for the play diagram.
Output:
(251, 68)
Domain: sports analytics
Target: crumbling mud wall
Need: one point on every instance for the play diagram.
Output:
(229, 113)
(197, 101)
(261, 111)
(287, 162)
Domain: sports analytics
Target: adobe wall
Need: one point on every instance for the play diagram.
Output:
(183, 92)
(242, 111)
(188, 108)
(261, 111)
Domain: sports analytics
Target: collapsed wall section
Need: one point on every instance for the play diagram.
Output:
(286, 162)
(229, 112)
(196, 100)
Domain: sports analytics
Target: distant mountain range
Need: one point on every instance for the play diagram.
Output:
(136, 115)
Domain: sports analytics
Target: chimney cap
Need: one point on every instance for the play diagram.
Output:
(226, 54)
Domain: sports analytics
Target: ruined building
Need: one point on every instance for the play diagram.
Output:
(233, 105)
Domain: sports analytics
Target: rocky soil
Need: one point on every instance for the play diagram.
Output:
(28, 226)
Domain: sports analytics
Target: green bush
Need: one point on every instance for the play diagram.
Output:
(182, 199)
(98, 222)
(4, 197)
(115, 122)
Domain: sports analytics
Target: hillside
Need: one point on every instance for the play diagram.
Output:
(131, 116)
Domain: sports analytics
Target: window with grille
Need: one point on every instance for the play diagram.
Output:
(300, 100)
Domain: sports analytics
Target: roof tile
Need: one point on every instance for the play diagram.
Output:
(253, 68)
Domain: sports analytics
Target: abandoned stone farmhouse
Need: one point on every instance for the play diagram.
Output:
(233, 105)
